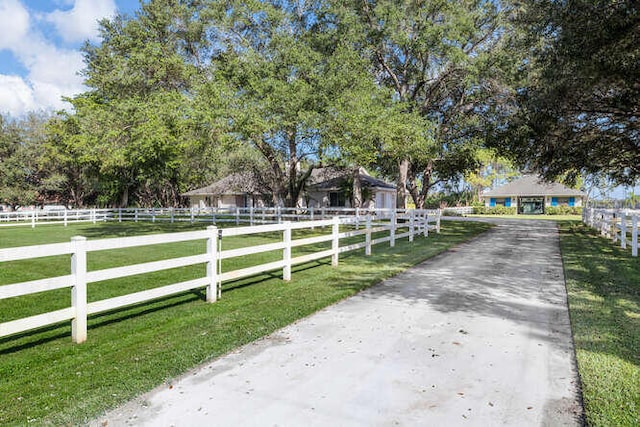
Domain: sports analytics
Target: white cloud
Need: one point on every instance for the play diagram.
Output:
(81, 22)
(52, 70)
(14, 21)
(16, 96)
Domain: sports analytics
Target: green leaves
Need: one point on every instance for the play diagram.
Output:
(578, 113)
(185, 92)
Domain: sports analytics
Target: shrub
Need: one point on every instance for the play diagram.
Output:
(494, 210)
(563, 210)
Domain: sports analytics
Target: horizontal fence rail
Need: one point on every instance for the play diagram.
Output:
(63, 216)
(619, 225)
(210, 215)
(398, 225)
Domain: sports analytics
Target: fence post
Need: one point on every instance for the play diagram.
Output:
(426, 223)
(172, 215)
(153, 214)
(212, 263)
(367, 250)
(311, 212)
(237, 216)
(33, 218)
(79, 289)
(357, 218)
(335, 243)
(279, 214)
(135, 214)
(392, 231)
(634, 236)
(411, 225)
(251, 216)
(623, 230)
(65, 217)
(438, 215)
(286, 252)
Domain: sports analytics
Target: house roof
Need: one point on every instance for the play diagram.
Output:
(250, 182)
(236, 183)
(332, 178)
(366, 180)
(531, 185)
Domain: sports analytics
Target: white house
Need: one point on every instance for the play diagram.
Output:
(326, 187)
(241, 190)
(530, 195)
(330, 187)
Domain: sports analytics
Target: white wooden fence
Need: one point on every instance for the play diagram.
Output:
(237, 216)
(64, 216)
(458, 210)
(620, 225)
(399, 226)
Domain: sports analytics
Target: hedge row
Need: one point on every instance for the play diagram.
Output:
(494, 210)
(563, 210)
(548, 210)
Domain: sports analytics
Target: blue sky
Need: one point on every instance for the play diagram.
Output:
(39, 49)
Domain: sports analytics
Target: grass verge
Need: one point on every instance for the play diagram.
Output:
(603, 285)
(45, 379)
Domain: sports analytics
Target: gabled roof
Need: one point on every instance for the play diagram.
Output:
(236, 183)
(250, 182)
(367, 181)
(332, 178)
(531, 185)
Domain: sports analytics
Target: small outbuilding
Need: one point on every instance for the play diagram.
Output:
(238, 190)
(330, 187)
(531, 195)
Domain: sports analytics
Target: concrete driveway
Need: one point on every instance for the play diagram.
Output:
(478, 336)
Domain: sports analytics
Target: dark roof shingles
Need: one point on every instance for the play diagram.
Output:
(531, 185)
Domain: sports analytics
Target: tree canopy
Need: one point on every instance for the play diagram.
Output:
(185, 92)
(579, 109)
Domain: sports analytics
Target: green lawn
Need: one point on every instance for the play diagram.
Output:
(45, 379)
(603, 283)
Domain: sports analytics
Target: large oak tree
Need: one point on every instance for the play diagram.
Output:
(579, 112)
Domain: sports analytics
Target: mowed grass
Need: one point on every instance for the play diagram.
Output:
(45, 379)
(603, 283)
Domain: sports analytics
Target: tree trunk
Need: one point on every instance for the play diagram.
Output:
(124, 197)
(403, 170)
(419, 196)
(292, 171)
(418, 200)
(357, 188)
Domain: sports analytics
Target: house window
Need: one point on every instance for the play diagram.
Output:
(563, 201)
(500, 202)
(336, 199)
(531, 205)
